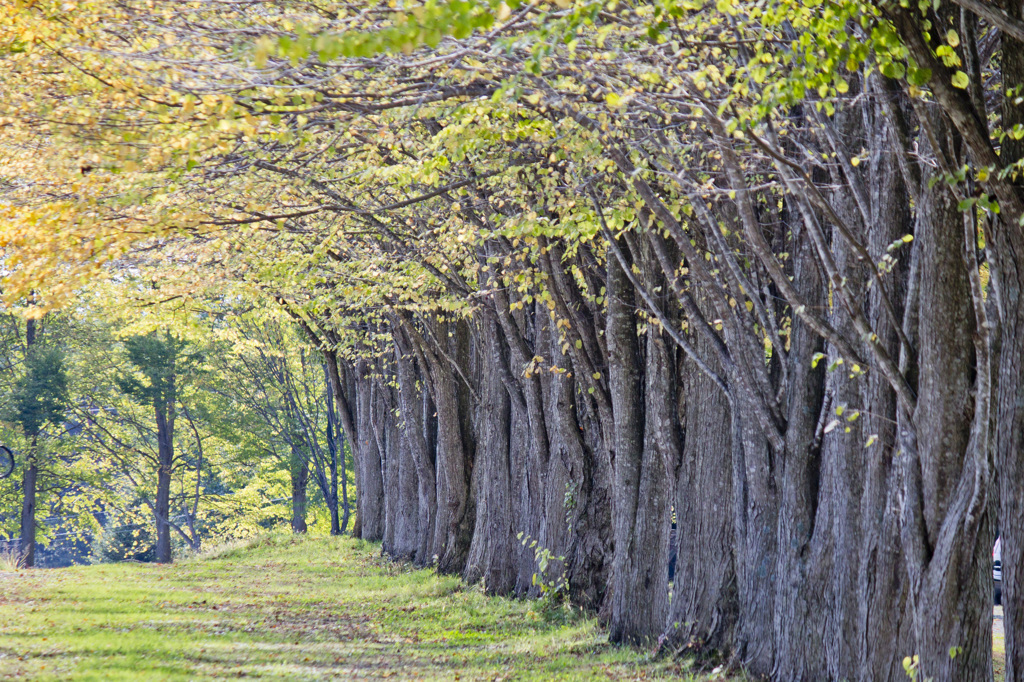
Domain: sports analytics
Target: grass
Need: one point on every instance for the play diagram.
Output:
(296, 608)
(10, 557)
(998, 646)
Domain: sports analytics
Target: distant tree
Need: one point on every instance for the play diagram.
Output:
(159, 360)
(156, 430)
(39, 399)
(286, 390)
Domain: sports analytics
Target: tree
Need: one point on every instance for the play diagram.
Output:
(160, 362)
(288, 392)
(39, 400)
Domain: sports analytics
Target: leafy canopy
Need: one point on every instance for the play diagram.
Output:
(40, 395)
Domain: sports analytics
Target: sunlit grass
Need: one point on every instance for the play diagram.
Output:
(998, 646)
(298, 608)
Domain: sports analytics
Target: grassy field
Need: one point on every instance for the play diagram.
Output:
(308, 608)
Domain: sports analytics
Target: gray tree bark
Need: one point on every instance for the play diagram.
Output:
(165, 460)
(492, 556)
(410, 390)
(27, 546)
(1008, 277)
(640, 516)
(370, 485)
(299, 473)
(949, 553)
(704, 600)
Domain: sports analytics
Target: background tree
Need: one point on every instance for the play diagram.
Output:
(160, 362)
(39, 400)
(285, 387)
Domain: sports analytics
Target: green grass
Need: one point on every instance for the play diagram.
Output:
(297, 608)
(998, 646)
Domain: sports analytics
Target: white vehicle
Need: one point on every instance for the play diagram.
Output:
(997, 570)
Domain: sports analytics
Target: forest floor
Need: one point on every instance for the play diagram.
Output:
(296, 608)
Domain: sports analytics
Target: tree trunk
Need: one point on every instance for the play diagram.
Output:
(526, 476)
(27, 548)
(639, 587)
(370, 484)
(165, 460)
(334, 442)
(577, 522)
(529, 448)
(1008, 277)
(299, 473)
(949, 554)
(452, 529)
(404, 511)
(1010, 451)
(390, 467)
(755, 529)
(883, 632)
(492, 555)
(410, 401)
(344, 429)
(704, 607)
(803, 561)
(583, 438)
(332, 498)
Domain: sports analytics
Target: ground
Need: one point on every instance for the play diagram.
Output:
(998, 645)
(296, 608)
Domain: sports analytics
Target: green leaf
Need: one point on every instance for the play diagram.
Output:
(916, 76)
(893, 70)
